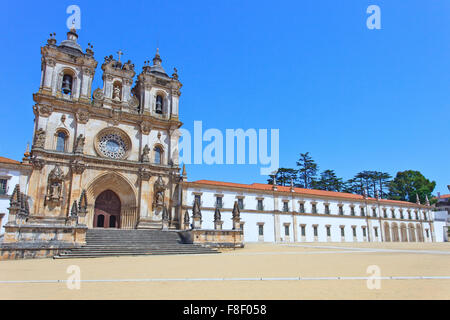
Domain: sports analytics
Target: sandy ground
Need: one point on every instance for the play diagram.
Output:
(173, 277)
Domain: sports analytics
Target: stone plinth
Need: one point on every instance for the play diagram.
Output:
(40, 241)
(214, 238)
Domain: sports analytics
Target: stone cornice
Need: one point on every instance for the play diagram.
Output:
(22, 167)
(84, 60)
(101, 163)
(125, 116)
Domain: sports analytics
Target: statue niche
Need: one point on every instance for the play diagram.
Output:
(79, 144)
(54, 187)
(145, 157)
(158, 198)
(39, 139)
(117, 91)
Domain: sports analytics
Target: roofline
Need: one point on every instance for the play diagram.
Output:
(333, 195)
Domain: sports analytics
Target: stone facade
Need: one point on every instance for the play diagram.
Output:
(121, 138)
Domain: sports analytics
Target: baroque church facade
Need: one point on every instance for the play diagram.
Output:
(124, 139)
(108, 158)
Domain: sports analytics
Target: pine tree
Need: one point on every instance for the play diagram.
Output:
(307, 170)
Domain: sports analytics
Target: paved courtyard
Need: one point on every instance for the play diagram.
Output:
(259, 271)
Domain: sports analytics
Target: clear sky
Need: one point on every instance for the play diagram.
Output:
(356, 99)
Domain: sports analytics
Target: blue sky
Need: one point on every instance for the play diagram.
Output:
(356, 99)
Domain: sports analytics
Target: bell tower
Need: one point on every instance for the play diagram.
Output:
(159, 94)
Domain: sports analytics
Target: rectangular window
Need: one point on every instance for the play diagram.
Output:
(354, 231)
(393, 213)
(327, 209)
(219, 202)
(261, 229)
(302, 208)
(417, 216)
(362, 212)
(424, 216)
(374, 212)
(352, 211)
(426, 230)
(315, 231)
(3, 184)
(342, 232)
(376, 232)
(241, 203)
(285, 206)
(328, 231)
(364, 232)
(401, 214)
(341, 210)
(303, 230)
(314, 208)
(260, 205)
(286, 230)
(409, 215)
(384, 213)
(198, 198)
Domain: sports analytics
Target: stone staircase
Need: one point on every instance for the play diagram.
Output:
(119, 242)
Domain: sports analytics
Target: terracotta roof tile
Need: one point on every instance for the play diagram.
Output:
(6, 160)
(313, 192)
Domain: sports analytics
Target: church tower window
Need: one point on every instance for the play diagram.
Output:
(158, 154)
(66, 87)
(159, 104)
(61, 141)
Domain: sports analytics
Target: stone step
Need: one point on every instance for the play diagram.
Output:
(119, 242)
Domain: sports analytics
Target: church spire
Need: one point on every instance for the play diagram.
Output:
(157, 59)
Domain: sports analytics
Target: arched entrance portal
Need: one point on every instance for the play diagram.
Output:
(107, 210)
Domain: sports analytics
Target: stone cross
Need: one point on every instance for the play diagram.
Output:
(119, 53)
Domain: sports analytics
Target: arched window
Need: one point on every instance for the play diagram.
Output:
(158, 155)
(159, 104)
(66, 87)
(61, 141)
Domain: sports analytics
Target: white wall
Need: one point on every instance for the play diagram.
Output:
(274, 221)
(4, 199)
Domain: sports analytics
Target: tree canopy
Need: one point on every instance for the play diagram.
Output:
(404, 186)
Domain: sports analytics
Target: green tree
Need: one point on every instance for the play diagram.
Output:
(354, 185)
(382, 181)
(284, 176)
(407, 184)
(329, 181)
(307, 171)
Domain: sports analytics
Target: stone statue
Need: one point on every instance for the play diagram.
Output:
(145, 157)
(159, 189)
(116, 93)
(159, 198)
(128, 66)
(54, 185)
(79, 146)
(39, 138)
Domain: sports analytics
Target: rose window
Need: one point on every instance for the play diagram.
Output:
(113, 144)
